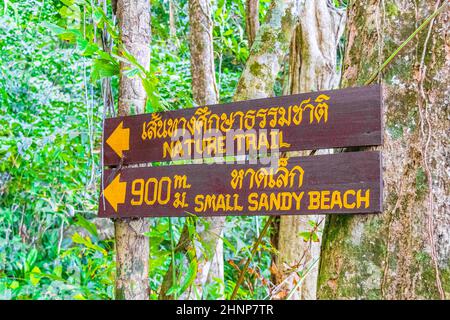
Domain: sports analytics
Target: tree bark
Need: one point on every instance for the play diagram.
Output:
(403, 253)
(271, 45)
(267, 53)
(209, 249)
(132, 247)
(312, 67)
(204, 88)
(252, 20)
(172, 15)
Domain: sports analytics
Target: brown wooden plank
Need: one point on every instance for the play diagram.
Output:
(337, 173)
(350, 117)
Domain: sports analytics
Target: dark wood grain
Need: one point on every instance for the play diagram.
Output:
(354, 119)
(337, 172)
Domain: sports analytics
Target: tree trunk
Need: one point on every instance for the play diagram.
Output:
(173, 42)
(172, 15)
(209, 248)
(204, 88)
(271, 45)
(252, 20)
(132, 247)
(312, 67)
(403, 253)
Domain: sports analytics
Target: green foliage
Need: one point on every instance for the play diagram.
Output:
(312, 234)
(239, 245)
(46, 164)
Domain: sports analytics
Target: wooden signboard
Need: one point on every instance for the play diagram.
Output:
(341, 183)
(325, 119)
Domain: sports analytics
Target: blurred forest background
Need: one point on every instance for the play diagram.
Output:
(59, 77)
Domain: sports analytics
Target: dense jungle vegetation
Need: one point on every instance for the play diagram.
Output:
(51, 108)
(62, 69)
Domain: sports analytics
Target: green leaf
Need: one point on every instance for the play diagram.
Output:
(35, 276)
(97, 15)
(86, 241)
(305, 235)
(172, 290)
(89, 226)
(87, 48)
(14, 284)
(190, 276)
(31, 259)
(58, 271)
(314, 237)
(229, 245)
(102, 68)
(70, 35)
(68, 2)
(53, 27)
(152, 95)
(79, 296)
(100, 18)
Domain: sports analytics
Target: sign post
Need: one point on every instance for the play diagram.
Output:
(344, 183)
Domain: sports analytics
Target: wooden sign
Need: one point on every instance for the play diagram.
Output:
(325, 119)
(322, 184)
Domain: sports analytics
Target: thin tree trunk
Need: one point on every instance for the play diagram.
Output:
(252, 20)
(312, 67)
(132, 247)
(403, 253)
(209, 248)
(267, 53)
(204, 88)
(172, 15)
(173, 43)
(257, 80)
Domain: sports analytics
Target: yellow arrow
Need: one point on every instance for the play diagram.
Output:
(115, 192)
(119, 140)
